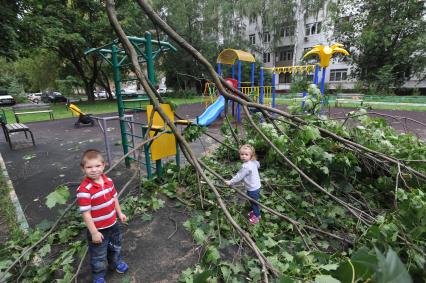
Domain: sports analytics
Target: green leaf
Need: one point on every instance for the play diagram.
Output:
(326, 279)
(44, 250)
(157, 203)
(270, 243)
(309, 133)
(362, 262)
(226, 272)
(213, 255)
(60, 195)
(199, 236)
(202, 277)
(283, 279)
(331, 266)
(391, 269)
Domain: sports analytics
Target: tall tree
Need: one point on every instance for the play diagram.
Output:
(9, 40)
(387, 39)
(69, 28)
(212, 25)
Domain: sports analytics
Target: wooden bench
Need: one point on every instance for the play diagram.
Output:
(13, 128)
(349, 98)
(140, 101)
(26, 109)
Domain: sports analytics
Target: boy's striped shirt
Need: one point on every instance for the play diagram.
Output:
(99, 200)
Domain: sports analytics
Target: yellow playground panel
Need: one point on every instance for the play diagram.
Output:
(254, 93)
(292, 69)
(210, 94)
(165, 145)
(228, 56)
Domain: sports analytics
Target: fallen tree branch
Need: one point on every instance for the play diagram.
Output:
(266, 265)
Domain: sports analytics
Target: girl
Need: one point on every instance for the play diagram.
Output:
(249, 174)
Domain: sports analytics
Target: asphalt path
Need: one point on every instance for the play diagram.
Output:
(152, 256)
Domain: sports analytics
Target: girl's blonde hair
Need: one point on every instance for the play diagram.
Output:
(251, 148)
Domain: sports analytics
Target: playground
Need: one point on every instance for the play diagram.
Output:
(342, 189)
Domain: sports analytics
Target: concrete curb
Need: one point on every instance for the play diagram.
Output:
(22, 220)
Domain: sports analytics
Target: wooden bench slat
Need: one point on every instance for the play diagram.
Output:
(27, 109)
(16, 127)
(30, 112)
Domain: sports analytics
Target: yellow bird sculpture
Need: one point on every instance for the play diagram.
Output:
(325, 52)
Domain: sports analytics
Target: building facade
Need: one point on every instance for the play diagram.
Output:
(287, 47)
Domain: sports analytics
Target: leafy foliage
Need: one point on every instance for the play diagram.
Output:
(387, 41)
(347, 174)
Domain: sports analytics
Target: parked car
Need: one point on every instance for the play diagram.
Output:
(129, 92)
(34, 97)
(6, 99)
(100, 94)
(53, 96)
(162, 90)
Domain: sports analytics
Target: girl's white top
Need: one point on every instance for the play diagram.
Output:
(249, 174)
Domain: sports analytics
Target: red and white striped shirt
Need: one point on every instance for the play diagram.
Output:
(99, 200)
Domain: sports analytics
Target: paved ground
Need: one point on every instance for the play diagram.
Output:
(36, 171)
(153, 257)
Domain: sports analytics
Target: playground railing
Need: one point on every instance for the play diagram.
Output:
(349, 98)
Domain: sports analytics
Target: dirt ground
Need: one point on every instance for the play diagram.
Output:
(153, 255)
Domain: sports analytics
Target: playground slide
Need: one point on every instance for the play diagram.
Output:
(212, 112)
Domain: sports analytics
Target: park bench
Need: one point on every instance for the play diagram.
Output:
(26, 109)
(299, 97)
(13, 128)
(138, 103)
(349, 98)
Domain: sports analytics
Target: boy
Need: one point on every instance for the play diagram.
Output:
(99, 206)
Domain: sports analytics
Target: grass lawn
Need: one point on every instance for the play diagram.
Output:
(389, 102)
(10, 225)
(61, 111)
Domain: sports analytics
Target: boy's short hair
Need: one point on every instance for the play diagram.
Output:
(251, 148)
(90, 154)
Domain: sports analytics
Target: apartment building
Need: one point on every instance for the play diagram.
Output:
(294, 40)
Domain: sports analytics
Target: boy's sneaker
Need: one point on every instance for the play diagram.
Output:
(99, 280)
(254, 220)
(122, 267)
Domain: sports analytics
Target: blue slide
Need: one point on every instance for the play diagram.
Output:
(212, 112)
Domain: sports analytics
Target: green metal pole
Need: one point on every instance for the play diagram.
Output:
(159, 167)
(177, 154)
(149, 58)
(151, 77)
(120, 104)
(147, 155)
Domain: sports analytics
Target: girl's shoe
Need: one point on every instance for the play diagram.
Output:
(122, 267)
(254, 220)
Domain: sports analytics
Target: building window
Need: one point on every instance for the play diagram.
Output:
(252, 38)
(287, 31)
(266, 37)
(285, 55)
(313, 28)
(266, 57)
(284, 78)
(338, 75)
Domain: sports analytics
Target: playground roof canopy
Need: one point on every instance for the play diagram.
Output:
(228, 56)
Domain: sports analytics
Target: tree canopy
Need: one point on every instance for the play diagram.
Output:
(386, 38)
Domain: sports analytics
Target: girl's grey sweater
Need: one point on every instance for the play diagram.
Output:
(249, 174)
